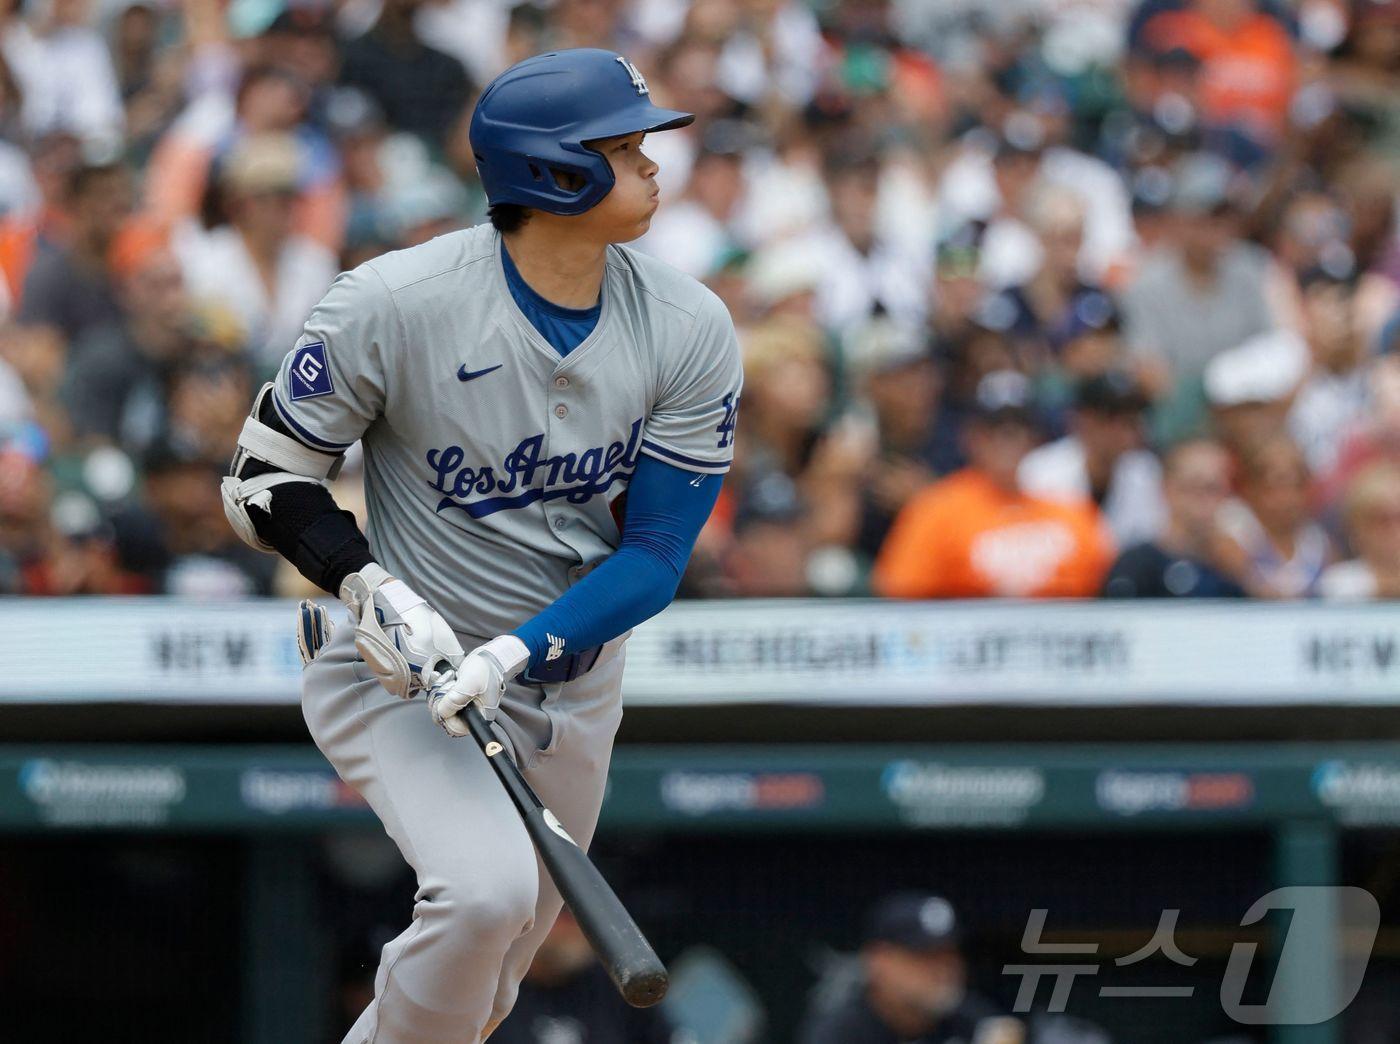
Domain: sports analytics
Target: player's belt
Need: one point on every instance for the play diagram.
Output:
(565, 668)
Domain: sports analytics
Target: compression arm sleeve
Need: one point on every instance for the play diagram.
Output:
(304, 523)
(667, 507)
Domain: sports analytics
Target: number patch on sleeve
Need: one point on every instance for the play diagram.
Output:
(310, 377)
(725, 428)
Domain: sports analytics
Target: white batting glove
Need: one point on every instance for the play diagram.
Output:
(481, 679)
(401, 638)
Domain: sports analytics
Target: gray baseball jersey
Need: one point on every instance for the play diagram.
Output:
(491, 463)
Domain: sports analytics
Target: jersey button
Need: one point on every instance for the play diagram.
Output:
(560, 522)
(561, 410)
(561, 382)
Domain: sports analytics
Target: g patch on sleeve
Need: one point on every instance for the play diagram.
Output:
(309, 376)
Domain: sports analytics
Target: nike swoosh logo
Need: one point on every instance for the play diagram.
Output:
(463, 374)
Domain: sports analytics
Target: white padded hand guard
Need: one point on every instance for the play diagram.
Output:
(401, 638)
(481, 679)
(313, 629)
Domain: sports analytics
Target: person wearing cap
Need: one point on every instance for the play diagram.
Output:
(254, 265)
(1335, 394)
(1250, 387)
(911, 987)
(1201, 292)
(976, 534)
(507, 382)
(1103, 459)
(883, 451)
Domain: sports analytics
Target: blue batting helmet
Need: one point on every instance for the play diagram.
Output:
(538, 116)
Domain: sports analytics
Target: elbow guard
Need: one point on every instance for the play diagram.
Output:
(290, 460)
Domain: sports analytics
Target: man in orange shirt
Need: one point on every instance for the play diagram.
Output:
(1248, 68)
(974, 534)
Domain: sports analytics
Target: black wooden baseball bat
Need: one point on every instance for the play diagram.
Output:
(631, 962)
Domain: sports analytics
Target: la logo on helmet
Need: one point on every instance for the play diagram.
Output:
(638, 80)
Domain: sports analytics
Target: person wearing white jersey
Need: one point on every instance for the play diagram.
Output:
(546, 417)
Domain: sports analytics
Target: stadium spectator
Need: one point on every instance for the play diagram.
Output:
(183, 180)
(863, 270)
(1372, 512)
(698, 232)
(1087, 342)
(1250, 387)
(37, 211)
(1177, 563)
(945, 173)
(787, 392)
(420, 89)
(64, 73)
(867, 467)
(176, 534)
(1203, 291)
(68, 286)
(1103, 460)
(36, 357)
(1046, 298)
(1335, 391)
(208, 392)
(265, 276)
(25, 499)
(566, 996)
(1372, 436)
(911, 984)
(770, 543)
(994, 183)
(115, 383)
(975, 534)
(80, 555)
(1247, 67)
(1269, 544)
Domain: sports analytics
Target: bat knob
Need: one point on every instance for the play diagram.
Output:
(645, 988)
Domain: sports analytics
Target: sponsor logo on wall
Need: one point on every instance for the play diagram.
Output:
(708, 793)
(278, 792)
(933, 794)
(1360, 793)
(76, 793)
(1133, 793)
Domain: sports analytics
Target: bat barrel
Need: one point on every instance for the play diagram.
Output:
(630, 961)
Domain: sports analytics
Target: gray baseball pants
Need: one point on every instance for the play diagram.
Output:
(484, 902)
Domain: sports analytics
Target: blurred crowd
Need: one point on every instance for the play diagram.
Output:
(1036, 298)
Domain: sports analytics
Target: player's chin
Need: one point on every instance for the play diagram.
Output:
(636, 230)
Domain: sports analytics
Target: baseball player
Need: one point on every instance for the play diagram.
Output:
(546, 417)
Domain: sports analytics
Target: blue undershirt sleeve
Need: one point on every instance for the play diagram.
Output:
(667, 507)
